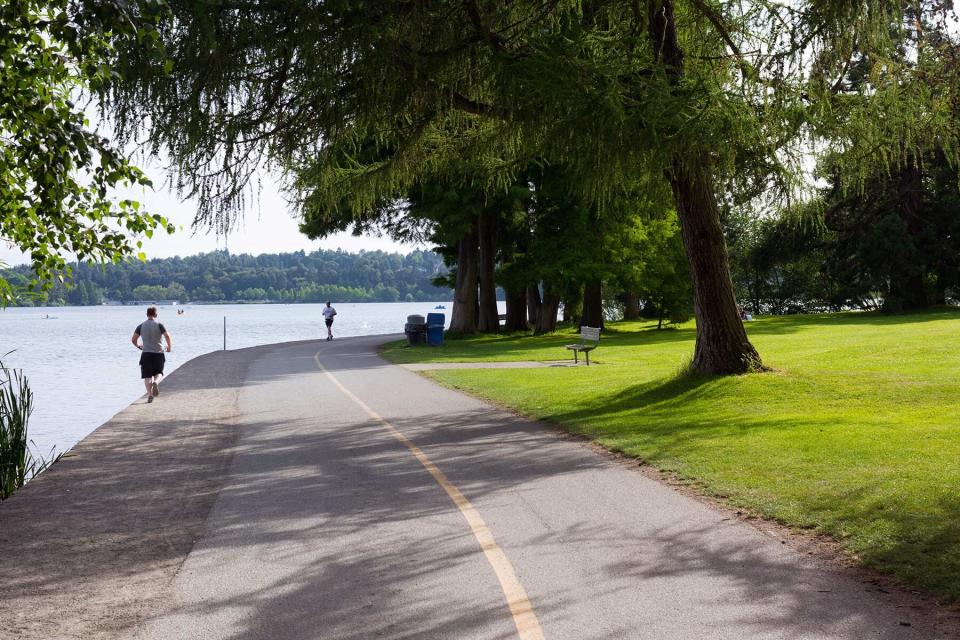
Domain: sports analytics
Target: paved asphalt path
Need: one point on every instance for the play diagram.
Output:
(364, 501)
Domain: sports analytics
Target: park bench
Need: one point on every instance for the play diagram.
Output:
(589, 340)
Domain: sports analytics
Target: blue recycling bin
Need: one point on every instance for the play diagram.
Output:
(435, 322)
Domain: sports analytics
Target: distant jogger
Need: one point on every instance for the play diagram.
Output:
(328, 313)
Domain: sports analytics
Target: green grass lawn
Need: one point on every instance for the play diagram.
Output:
(856, 432)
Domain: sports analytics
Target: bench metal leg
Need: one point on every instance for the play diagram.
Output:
(587, 354)
(575, 361)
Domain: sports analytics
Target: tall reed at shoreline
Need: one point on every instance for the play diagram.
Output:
(17, 462)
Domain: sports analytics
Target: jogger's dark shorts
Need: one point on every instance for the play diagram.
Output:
(329, 322)
(151, 364)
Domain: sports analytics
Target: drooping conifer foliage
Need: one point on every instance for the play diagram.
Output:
(362, 103)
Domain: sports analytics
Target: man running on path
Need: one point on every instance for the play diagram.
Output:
(328, 313)
(152, 359)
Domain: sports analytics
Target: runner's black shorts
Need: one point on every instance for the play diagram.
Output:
(329, 322)
(151, 364)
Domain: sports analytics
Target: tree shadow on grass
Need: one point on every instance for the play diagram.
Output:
(920, 546)
(632, 334)
(90, 544)
(645, 396)
(785, 325)
(790, 323)
(513, 347)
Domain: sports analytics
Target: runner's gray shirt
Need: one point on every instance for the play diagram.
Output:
(151, 332)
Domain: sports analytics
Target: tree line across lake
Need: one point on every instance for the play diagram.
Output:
(368, 276)
(875, 249)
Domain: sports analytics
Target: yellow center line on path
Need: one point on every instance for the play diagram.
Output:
(528, 627)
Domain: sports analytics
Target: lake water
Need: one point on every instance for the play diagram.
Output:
(83, 369)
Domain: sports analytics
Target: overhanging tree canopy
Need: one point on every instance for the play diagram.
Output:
(695, 93)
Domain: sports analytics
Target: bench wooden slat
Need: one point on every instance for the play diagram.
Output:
(590, 333)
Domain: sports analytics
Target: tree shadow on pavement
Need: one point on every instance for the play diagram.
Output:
(695, 581)
(355, 539)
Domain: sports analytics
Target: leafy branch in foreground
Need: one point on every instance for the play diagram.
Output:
(55, 172)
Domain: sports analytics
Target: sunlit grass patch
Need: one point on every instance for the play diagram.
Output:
(855, 433)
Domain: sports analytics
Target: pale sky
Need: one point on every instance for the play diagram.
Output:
(268, 226)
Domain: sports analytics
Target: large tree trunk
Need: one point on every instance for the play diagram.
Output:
(592, 315)
(631, 305)
(907, 290)
(907, 293)
(755, 292)
(722, 345)
(489, 320)
(940, 288)
(572, 301)
(463, 318)
(547, 319)
(533, 304)
(516, 310)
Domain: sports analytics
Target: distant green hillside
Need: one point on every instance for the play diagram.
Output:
(373, 276)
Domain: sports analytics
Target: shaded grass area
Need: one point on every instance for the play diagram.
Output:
(617, 340)
(856, 433)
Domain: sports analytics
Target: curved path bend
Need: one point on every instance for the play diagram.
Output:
(311, 491)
